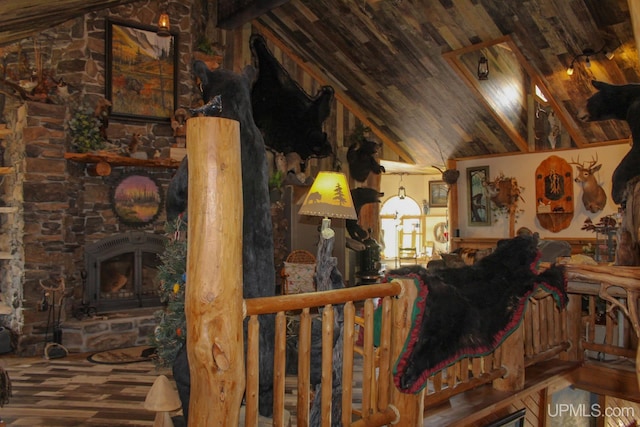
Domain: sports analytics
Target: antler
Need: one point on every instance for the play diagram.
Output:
(576, 162)
(59, 288)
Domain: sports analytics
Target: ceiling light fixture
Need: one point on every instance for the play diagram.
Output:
(402, 193)
(587, 54)
(483, 68)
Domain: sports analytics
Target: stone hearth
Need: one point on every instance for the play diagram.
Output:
(113, 330)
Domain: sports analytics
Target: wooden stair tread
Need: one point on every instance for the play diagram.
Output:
(8, 209)
(610, 379)
(6, 255)
(474, 405)
(5, 170)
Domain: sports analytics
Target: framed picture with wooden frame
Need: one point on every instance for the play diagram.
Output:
(479, 203)
(137, 199)
(141, 72)
(438, 194)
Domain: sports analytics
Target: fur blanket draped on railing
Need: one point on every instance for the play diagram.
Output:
(469, 311)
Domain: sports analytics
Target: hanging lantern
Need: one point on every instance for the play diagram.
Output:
(483, 68)
(164, 26)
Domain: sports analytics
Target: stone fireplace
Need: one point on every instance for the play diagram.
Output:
(122, 271)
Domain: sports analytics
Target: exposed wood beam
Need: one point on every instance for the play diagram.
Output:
(19, 22)
(340, 96)
(244, 14)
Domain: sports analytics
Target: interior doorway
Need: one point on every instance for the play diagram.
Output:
(402, 227)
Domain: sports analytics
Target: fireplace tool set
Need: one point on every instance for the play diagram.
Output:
(85, 309)
(55, 349)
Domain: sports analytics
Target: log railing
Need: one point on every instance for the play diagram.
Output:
(606, 304)
(541, 336)
(378, 406)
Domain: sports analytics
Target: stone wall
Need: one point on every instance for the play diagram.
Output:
(61, 207)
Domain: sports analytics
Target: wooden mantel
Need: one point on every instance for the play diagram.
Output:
(103, 161)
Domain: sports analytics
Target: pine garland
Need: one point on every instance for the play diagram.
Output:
(170, 334)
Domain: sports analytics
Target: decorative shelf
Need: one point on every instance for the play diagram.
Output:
(117, 160)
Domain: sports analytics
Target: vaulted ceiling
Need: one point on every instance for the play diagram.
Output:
(406, 68)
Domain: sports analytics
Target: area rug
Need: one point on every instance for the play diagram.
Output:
(469, 311)
(123, 355)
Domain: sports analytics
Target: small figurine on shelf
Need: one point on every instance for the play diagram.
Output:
(179, 126)
(134, 144)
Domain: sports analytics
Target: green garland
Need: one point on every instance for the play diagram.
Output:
(171, 333)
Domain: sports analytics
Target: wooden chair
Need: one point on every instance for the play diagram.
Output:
(298, 271)
(406, 254)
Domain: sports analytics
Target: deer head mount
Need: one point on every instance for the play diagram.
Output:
(594, 197)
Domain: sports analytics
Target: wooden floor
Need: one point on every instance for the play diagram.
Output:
(72, 391)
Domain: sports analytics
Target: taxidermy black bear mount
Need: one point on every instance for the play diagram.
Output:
(361, 196)
(290, 120)
(361, 157)
(618, 102)
(258, 270)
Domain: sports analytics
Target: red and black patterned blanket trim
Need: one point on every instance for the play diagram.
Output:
(469, 311)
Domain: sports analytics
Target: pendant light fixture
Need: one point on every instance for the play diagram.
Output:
(402, 193)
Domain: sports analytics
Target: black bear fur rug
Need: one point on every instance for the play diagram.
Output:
(469, 311)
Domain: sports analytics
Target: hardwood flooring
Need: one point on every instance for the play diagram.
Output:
(72, 391)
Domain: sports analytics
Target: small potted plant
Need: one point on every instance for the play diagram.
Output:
(84, 128)
(605, 230)
(207, 52)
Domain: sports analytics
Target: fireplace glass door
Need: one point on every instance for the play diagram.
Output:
(122, 271)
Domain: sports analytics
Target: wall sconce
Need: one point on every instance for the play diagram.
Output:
(483, 68)
(587, 54)
(164, 26)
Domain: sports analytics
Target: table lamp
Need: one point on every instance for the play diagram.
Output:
(329, 197)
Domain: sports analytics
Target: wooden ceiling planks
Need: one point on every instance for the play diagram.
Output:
(384, 58)
(428, 105)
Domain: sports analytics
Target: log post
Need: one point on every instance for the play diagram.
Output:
(409, 406)
(512, 359)
(213, 298)
(452, 203)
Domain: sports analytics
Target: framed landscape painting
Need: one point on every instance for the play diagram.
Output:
(438, 194)
(137, 200)
(141, 72)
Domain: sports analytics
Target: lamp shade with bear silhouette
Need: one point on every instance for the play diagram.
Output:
(329, 197)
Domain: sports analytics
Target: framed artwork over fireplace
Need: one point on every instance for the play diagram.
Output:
(141, 72)
(137, 199)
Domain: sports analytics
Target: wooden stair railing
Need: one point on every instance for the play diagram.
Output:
(618, 288)
(379, 404)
